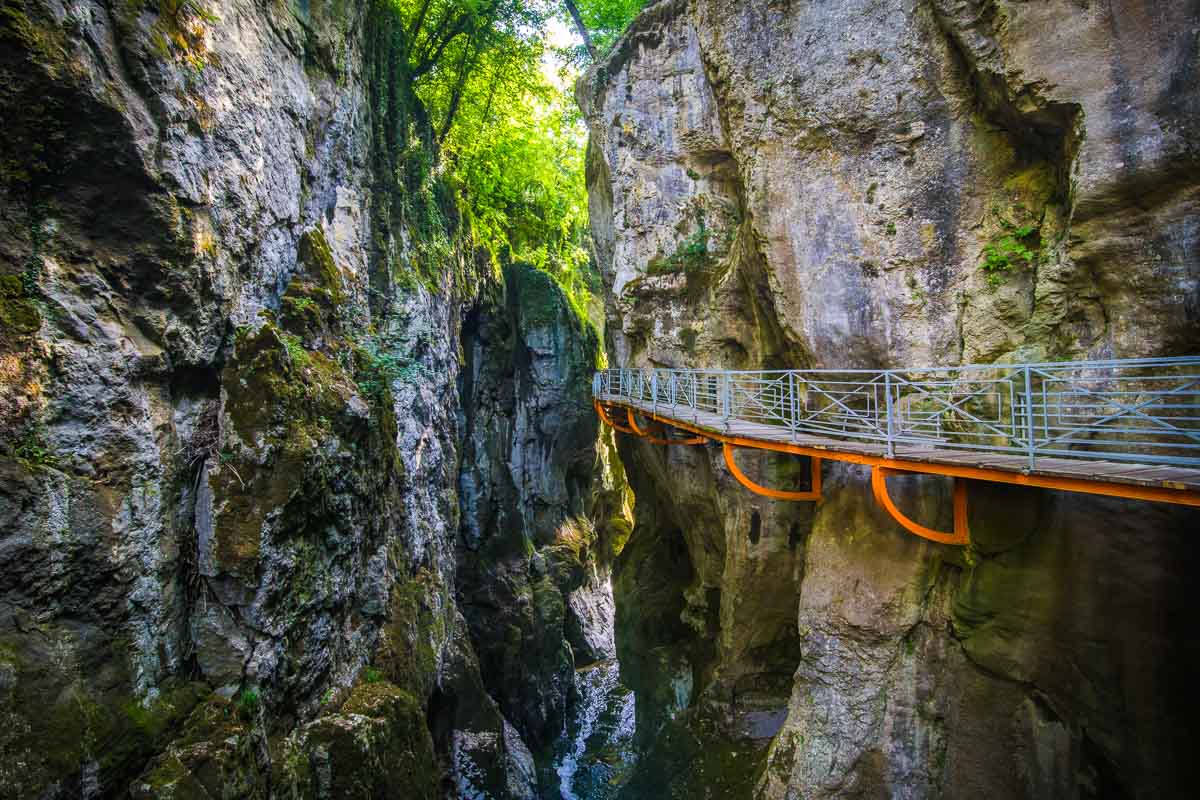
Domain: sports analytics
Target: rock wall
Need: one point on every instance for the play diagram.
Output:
(235, 422)
(811, 184)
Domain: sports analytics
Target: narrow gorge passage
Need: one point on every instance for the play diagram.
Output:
(348, 352)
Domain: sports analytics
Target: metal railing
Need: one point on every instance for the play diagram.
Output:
(1140, 410)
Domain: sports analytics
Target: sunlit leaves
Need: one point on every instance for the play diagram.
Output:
(510, 143)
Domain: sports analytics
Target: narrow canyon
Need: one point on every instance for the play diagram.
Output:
(303, 489)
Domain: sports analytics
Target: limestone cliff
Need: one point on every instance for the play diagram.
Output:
(882, 184)
(241, 358)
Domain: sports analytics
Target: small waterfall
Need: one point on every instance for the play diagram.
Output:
(595, 755)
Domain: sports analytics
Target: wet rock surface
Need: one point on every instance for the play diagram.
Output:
(827, 185)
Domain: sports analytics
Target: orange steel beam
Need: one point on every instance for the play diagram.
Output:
(655, 440)
(1153, 494)
(634, 430)
(961, 534)
(813, 494)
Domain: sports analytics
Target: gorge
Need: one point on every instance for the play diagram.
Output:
(302, 489)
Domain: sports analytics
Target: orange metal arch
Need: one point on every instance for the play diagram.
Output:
(813, 494)
(961, 534)
(655, 440)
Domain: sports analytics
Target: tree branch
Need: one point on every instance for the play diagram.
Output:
(583, 31)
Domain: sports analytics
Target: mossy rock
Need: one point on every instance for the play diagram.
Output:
(406, 655)
(377, 746)
(286, 403)
(316, 261)
(539, 299)
(44, 42)
(690, 757)
(214, 757)
(52, 722)
(19, 317)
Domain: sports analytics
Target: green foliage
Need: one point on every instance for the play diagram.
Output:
(1014, 247)
(32, 450)
(475, 147)
(372, 675)
(303, 304)
(693, 256)
(248, 703)
(605, 20)
(295, 349)
(379, 367)
(36, 225)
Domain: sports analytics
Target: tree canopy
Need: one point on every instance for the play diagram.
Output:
(508, 140)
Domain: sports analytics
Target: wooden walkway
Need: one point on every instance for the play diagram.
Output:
(1156, 483)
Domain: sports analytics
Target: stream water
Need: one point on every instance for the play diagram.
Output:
(595, 756)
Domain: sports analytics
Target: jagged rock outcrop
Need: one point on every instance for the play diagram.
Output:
(232, 421)
(529, 545)
(821, 185)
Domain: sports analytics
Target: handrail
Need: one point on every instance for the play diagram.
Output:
(1144, 410)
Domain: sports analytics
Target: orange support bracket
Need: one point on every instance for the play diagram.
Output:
(608, 420)
(961, 534)
(813, 494)
(655, 440)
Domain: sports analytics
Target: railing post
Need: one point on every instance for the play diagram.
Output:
(887, 393)
(671, 387)
(794, 421)
(654, 391)
(725, 398)
(1029, 417)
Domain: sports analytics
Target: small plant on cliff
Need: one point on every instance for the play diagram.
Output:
(248, 703)
(32, 451)
(691, 255)
(1013, 248)
(380, 366)
(296, 352)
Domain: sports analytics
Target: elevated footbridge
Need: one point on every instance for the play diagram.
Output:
(1123, 428)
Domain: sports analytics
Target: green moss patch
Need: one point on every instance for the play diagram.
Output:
(540, 301)
(378, 745)
(19, 316)
(214, 756)
(52, 722)
(316, 260)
